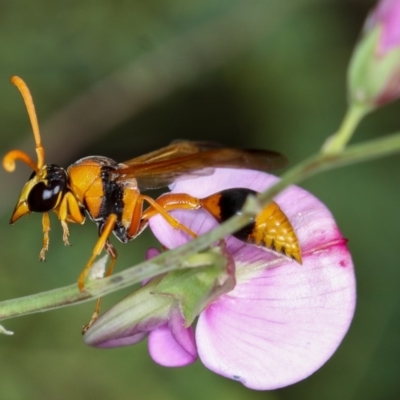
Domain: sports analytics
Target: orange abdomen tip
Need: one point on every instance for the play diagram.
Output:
(273, 230)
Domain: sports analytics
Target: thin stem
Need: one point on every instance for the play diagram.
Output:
(339, 140)
(172, 260)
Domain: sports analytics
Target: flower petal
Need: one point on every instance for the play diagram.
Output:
(166, 351)
(172, 345)
(387, 13)
(281, 326)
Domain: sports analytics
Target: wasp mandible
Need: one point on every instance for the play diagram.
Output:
(110, 193)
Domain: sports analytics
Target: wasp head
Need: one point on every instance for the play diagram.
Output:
(43, 192)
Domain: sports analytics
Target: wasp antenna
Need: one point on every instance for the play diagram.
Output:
(13, 155)
(30, 107)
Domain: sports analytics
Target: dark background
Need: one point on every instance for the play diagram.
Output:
(120, 78)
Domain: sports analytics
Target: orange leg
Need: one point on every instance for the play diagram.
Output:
(136, 225)
(101, 242)
(70, 211)
(94, 317)
(169, 202)
(46, 229)
(113, 254)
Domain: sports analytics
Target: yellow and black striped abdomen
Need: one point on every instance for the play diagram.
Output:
(271, 228)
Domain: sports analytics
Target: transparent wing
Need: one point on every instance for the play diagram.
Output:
(162, 167)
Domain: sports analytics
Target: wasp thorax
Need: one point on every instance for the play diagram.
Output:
(48, 188)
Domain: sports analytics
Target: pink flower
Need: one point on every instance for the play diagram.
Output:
(280, 323)
(386, 14)
(374, 73)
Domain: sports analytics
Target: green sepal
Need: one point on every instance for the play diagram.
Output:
(206, 276)
(370, 74)
(140, 309)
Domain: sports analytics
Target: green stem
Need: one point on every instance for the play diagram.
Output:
(172, 260)
(322, 162)
(339, 140)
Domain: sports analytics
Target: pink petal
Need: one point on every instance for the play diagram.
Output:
(166, 351)
(281, 326)
(387, 13)
(152, 252)
(183, 336)
(278, 325)
(120, 341)
(172, 345)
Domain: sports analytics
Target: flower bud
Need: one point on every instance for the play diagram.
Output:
(374, 71)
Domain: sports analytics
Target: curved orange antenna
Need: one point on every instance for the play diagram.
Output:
(13, 155)
(26, 95)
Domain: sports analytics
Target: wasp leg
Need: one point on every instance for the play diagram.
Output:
(94, 317)
(46, 229)
(112, 252)
(136, 224)
(69, 211)
(110, 249)
(169, 202)
(65, 229)
(101, 242)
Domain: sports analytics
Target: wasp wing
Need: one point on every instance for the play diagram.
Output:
(188, 159)
(176, 149)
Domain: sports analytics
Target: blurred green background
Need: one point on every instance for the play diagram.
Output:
(120, 78)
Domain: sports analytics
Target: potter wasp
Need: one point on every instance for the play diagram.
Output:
(110, 193)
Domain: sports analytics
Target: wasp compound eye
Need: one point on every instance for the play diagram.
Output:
(43, 198)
